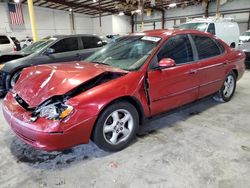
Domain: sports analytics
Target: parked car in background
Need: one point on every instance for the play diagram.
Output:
(6, 44)
(53, 50)
(17, 44)
(245, 47)
(223, 28)
(107, 97)
(26, 42)
(245, 37)
(35, 47)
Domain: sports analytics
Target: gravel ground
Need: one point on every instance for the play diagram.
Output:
(204, 144)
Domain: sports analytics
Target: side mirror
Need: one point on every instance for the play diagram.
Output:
(49, 51)
(104, 42)
(166, 63)
(99, 44)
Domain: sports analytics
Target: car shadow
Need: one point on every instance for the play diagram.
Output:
(170, 118)
(62, 159)
(56, 159)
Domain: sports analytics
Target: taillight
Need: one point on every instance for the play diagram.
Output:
(14, 48)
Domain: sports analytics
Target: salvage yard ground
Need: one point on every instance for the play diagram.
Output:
(204, 144)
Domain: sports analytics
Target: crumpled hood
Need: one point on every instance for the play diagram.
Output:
(39, 83)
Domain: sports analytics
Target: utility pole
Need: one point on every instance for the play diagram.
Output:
(206, 10)
(142, 17)
(32, 20)
(218, 9)
(100, 17)
(132, 24)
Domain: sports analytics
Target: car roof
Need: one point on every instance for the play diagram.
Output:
(68, 36)
(164, 33)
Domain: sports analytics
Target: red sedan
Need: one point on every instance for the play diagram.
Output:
(106, 97)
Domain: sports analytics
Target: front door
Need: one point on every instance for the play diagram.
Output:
(65, 50)
(174, 86)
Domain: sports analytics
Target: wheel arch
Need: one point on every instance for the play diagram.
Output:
(8, 79)
(236, 73)
(130, 99)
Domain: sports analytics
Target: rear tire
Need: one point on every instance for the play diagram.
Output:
(227, 91)
(116, 127)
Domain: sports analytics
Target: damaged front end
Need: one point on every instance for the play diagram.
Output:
(52, 110)
(56, 107)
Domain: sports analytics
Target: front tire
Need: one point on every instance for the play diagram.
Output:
(116, 127)
(227, 91)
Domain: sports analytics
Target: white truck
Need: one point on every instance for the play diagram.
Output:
(223, 28)
(6, 44)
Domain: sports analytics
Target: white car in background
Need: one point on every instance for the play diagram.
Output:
(6, 44)
(223, 28)
(26, 42)
(245, 37)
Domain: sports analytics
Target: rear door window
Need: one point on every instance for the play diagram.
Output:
(91, 42)
(66, 45)
(4, 40)
(206, 46)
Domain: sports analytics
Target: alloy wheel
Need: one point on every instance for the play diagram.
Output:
(228, 86)
(118, 126)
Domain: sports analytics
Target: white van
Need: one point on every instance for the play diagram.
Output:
(6, 44)
(224, 28)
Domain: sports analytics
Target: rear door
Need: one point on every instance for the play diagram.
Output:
(211, 65)
(90, 45)
(175, 86)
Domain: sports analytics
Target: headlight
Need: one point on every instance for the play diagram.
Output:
(54, 111)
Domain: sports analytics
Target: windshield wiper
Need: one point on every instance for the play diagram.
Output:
(99, 62)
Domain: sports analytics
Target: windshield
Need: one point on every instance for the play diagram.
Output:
(196, 26)
(127, 53)
(246, 33)
(36, 47)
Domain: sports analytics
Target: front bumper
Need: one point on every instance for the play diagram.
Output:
(37, 134)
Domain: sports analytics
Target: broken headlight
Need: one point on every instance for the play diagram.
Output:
(52, 111)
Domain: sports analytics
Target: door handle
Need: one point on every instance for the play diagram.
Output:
(192, 71)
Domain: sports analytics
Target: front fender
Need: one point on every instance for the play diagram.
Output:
(91, 103)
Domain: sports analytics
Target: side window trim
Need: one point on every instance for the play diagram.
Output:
(80, 43)
(209, 27)
(194, 48)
